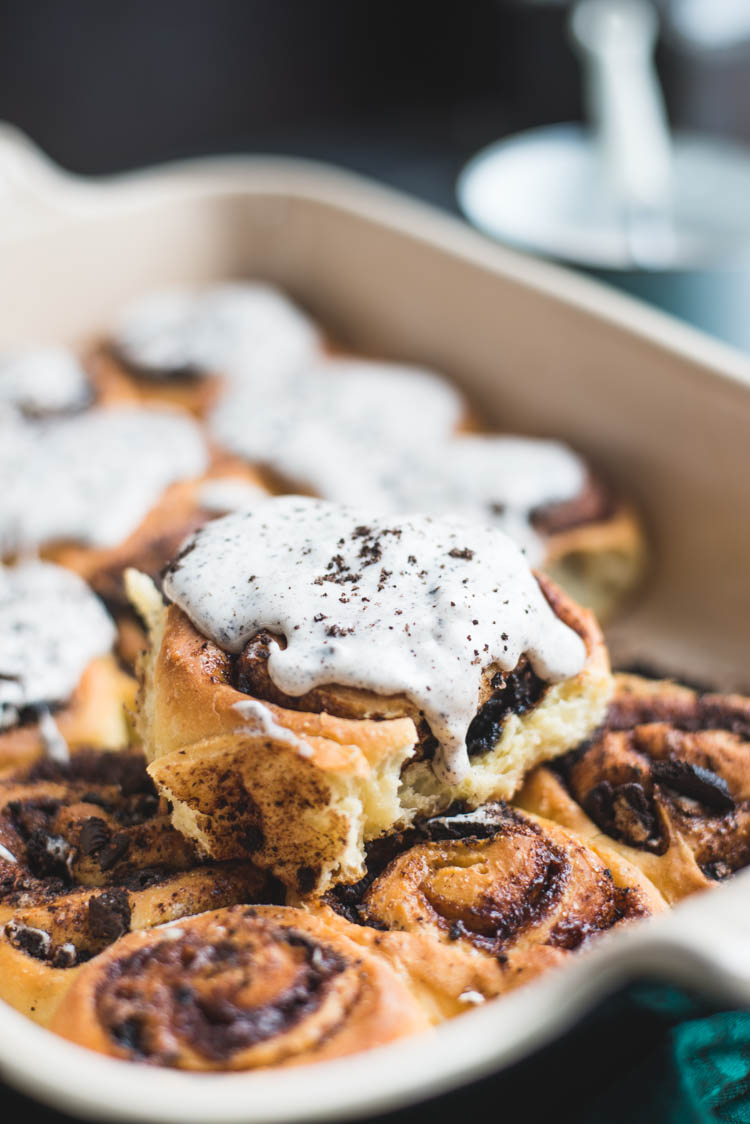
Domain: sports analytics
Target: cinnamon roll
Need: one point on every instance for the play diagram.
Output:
(60, 686)
(44, 381)
(474, 904)
(318, 680)
(86, 854)
(238, 989)
(108, 488)
(346, 429)
(665, 782)
(182, 347)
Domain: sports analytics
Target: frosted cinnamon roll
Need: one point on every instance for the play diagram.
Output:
(392, 438)
(238, 989)
(317, 679)
(181, 347)
(86, 854)
(665, 782)
(474, 904)
(44, 381)
(108, 488)
(60, 686)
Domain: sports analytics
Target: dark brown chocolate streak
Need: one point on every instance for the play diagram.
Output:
(152, 375)
(594, 504)
(125, 770)
(214, 1025)
(514, 693)
(347, 899)
(703, 712)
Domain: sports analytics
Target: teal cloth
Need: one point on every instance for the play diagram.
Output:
(696, 1069)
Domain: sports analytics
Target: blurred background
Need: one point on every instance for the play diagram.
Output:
(405, 91)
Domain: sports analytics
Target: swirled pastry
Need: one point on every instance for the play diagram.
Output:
(318, 681)
(60, 687)
(665, 782)
(86, 854)
(474, 904)
(239, 988)
(109, 488)
(182, 347)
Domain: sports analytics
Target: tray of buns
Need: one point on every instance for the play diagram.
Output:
(374, 689)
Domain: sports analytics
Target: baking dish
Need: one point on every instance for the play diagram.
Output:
(662, 410)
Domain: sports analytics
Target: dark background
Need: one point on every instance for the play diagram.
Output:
(405, 91)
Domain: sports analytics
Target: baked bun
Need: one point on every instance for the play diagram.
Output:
(475, 904)
(298, 781)
(60, 687)
(238, 989)
(87, 853)
(665, 782)
(185, 347)
(182, 509)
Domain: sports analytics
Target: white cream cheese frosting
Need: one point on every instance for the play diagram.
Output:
(245, 330)
(90, 478)
(409, 605)
(51, 627)
(43, 380)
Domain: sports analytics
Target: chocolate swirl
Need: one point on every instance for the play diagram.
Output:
(86, 854)
(518, 889)
(666, 779)
(238, 989)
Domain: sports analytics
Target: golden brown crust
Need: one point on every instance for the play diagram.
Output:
(95, 716)
(475, 905)
(601, 562)
(301, 796)
(239, 989)
(114, 382)
(666, 784)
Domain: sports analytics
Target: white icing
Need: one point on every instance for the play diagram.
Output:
(498, 479)
(43, 380)
(55, 745)
(51, 627)
(222, 494)
(91, 478)
(262, 722)
(399, 604)
(339, 427)
(474, 998)
(246, 330)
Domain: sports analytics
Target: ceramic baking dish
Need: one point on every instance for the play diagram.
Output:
(664, 411)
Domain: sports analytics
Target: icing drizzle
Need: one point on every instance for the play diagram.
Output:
(93, 477)
(51, 627)
(395, 605)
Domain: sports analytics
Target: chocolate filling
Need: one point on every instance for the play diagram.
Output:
(194, 986)
(646, 769)
(514, 693)
(185, 374)
(592, 505)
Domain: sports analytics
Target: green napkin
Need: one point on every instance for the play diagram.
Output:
(696, 1069)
